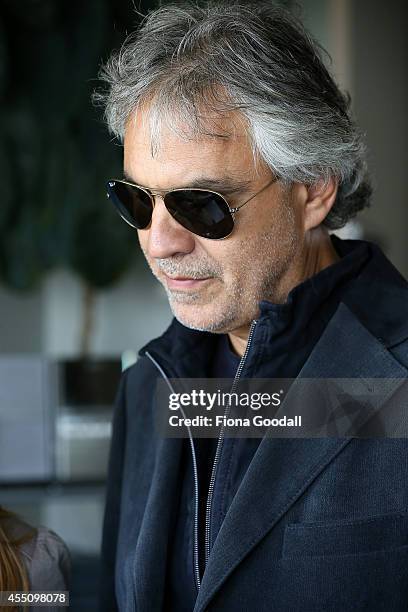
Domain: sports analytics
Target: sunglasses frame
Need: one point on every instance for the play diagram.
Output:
(162, 195)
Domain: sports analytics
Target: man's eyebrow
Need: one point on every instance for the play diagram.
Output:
(224, 185)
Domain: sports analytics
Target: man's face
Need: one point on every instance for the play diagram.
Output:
(214, 285)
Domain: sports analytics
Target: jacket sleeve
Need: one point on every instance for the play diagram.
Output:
(107, 594)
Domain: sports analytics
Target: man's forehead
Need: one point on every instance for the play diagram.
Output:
(218, 132)
(222, 162)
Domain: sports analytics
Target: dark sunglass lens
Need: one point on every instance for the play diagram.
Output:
(201, 212)
(132, 203)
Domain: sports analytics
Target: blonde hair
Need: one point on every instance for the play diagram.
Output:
(13, 573)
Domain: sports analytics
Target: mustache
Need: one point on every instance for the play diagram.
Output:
(197, 269)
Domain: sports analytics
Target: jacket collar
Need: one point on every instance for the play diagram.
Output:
(282, 469)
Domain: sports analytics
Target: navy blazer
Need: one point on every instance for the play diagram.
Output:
(316, 525)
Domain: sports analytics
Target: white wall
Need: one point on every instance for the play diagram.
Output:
(125, 316)
(21, 319)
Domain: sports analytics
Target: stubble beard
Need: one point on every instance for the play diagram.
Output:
(235, 304)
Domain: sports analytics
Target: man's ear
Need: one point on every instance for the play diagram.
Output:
(319, 200)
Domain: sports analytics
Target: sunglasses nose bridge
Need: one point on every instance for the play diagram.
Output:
(156, 194)
(162, 197)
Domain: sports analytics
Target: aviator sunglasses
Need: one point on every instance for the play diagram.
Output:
(203, 212)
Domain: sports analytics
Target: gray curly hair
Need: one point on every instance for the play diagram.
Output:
(187, 63)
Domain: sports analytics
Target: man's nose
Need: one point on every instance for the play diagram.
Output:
(166, 237)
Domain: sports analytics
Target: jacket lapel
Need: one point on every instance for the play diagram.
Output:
(282, 469)
(151, 549)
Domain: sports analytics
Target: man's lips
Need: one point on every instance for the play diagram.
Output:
(184, 282)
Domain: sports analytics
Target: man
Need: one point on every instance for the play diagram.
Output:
(239, 155)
